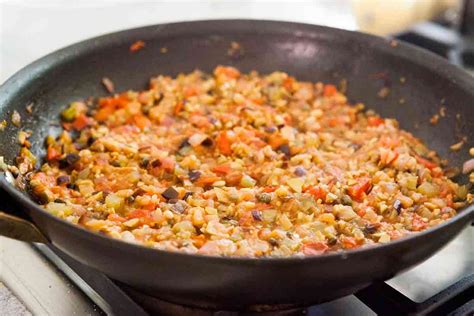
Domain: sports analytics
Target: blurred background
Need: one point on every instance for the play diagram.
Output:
(30, 29)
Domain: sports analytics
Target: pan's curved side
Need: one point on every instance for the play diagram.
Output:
(308, 52)
(214, 282)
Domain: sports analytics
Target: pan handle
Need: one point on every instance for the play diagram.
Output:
(17, 228)
(15, 223)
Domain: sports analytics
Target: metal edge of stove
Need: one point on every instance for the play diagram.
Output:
(466, 309)
(98, 287)
(456, 299)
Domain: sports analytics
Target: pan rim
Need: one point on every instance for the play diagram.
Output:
(405, 51)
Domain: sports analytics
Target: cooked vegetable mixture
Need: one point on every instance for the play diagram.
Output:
(235, 164)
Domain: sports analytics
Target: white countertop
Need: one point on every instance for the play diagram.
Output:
(31, 29)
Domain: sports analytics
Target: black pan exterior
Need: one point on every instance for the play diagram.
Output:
(419, 84)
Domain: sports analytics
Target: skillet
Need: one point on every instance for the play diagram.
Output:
(419, 83)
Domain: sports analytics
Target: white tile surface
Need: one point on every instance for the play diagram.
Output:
(42, 289)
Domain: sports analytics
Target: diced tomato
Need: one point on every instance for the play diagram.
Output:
(337, 121)
(318, 192)
(120, 101)
(233, 178)
(288, 83)
(269, 189)
(246, 219)
(387, 156)
(206, 180)
(329, 90)
(178, 108)
(437, 172)
(222, 169)
(258, 101)
(449, 200)
(276, 141)
(357, 191)
(199, 240)
(223, 143)
(258, 143)
(418, 223)
(53, 153)
(116, 218)
(262, 206)
(190, 91)
(104, 113)
(167, 164)
(349, 242)
(200, 121)
(138, 214)
(80, 122)
(425, 162)
(314, 248)
(141, 121)
(444, 190)
(102, 184)
(107, 106)
(150, 206)
(135, 47)
(375, 121)
(56, 190)
(230, 72)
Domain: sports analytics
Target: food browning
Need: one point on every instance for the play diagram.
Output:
(238, 164)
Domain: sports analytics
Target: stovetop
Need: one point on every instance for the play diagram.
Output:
(442, 285)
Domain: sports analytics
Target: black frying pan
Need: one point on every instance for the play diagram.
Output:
(308, 52)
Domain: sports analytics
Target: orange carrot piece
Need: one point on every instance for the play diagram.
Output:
(329, 90)
(80, 122)
(425, 162)
(230, 72)
(358, 190)
(53, 153)
(318, 192)
(178, 108)
(222, 169)
(314, 248)
(223, 143)
(375, 121)
(141, 121)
